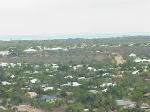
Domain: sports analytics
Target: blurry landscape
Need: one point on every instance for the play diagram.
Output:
(75, 75)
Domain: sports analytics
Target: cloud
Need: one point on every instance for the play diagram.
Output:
(73, 16)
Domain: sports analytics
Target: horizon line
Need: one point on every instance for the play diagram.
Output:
(71, 36)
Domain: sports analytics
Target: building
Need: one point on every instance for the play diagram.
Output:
(126, 103)
(49, 98)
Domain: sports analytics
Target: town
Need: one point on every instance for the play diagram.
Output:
(75, 75)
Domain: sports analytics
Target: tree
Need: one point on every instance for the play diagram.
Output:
(76, 107)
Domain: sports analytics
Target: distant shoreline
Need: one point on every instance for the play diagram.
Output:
(69, 36)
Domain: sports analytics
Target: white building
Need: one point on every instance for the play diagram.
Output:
(6, 83)
(4, 53)
(132, 55)
(33, 81)
(135, 72)
(32, 94)
(75, 84)
(3, 64)
(48, 88)
(30, 50)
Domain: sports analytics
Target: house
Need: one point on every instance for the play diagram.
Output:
(49, 98)
(56, 48)
(126, 103)
(77, 66)
(4, 53)
(19, 64)
(12, 65)
(32, 94)
(6, 83)
(75, 84)
(90, 68)
(147, 95)
(86, 110)
(93, 91)
(131, 44)
(135, 72)
(48, 88)
(33, 81)
(35, 72)
(82, 78)
(104, 90)
(105, 74)
(46, 48)
(132, 55)
(138, 60)
(47, 70)
(2, 108)
(67, 84)
(107, 84)
(55, 66)
(145, 106)
(69, 76)
(30, 50)
(12, 76)
(3, 64)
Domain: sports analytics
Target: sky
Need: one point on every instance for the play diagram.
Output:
(38, 17)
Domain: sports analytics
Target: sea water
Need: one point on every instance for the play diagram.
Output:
(71, 36)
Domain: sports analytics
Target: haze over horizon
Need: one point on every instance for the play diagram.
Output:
(42, 17)
(71, 36)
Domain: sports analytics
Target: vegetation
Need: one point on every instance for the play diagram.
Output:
(75, 75)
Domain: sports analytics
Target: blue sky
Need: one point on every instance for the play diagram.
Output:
(40, 17)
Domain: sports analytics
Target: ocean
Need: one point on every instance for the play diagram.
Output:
(71, 36)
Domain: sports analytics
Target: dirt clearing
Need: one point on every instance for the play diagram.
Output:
(119, 59)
